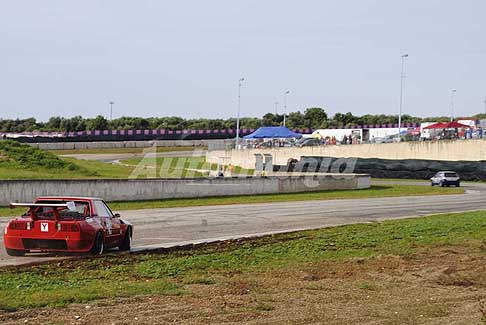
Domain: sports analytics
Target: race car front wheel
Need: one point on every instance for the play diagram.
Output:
(98, 245)
(15, 252)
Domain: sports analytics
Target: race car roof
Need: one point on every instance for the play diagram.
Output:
(67, 198)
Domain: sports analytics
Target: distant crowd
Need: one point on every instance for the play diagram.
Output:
(461, 134)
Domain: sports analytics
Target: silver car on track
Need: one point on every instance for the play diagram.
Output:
(446, 178)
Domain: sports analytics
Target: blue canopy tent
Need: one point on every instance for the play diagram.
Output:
(272, 132)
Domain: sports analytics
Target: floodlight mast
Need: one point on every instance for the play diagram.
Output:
(285, 106)
(402, 76)
(238, 114)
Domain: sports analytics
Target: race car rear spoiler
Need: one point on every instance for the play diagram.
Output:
(54, 207)
(35, 205)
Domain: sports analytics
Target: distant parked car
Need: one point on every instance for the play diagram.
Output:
(266, 144)
(308, 142)
(446, 178)
(387, 139)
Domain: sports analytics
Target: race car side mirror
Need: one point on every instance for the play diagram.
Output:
(117, 215)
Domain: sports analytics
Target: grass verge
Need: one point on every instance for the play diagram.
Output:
(373, 192)
(84, 169)
(399, 180)
(20, 161)
(180, 167)
(170, 167)
(65, 282)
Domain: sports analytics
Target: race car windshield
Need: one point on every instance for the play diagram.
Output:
(81, 210)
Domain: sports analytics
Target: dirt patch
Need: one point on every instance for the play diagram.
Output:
(441, 285)
(4, 157)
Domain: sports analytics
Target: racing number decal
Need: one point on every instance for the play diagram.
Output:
(44, 227)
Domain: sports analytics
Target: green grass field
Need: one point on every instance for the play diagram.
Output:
(373, 192)
(84, 169)
(65, 282)
(399, 180)
(176, 167)
(171, 167)
(18, 161)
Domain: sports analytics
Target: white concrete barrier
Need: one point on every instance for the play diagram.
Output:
(153, 189)
(459, 150)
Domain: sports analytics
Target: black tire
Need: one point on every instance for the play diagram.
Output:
(442, 184)
(458, 185)
(126, 244)
(15, 252)
(432, 183)
(98, 245)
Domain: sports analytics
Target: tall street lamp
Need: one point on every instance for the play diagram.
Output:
(453, 93)
(285, 106)
(402, 76)
(238, 116)
(111, 110)
(276, 108)
(484, 103)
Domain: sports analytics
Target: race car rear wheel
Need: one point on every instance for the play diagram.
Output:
(15, 252)
(98, 245)
(127, 241)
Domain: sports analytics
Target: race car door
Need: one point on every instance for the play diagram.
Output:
(109, 223)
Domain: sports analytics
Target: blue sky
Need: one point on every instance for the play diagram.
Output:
(160, 58)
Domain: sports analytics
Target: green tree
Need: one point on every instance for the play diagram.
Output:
(295, 120)
(98, 123)
(54, 123)
(315, 118)
(271, 119)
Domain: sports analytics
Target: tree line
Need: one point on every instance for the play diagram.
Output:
(312, 118)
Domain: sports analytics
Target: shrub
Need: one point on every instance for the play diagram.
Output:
(30, 157)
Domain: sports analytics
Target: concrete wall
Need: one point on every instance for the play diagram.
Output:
(123, 144)
(133, 190)
(470, 150)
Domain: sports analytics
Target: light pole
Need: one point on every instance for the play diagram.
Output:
(453, 93)
(285, 106)
(402, 76)
(484, 103)
(238, 116)
(111, 110)
(276, 108)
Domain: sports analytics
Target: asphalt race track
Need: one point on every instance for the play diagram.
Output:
(178, 226)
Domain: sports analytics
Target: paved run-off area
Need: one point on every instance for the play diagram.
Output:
(177, 226)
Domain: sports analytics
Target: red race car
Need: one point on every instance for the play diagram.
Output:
(66, 224)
